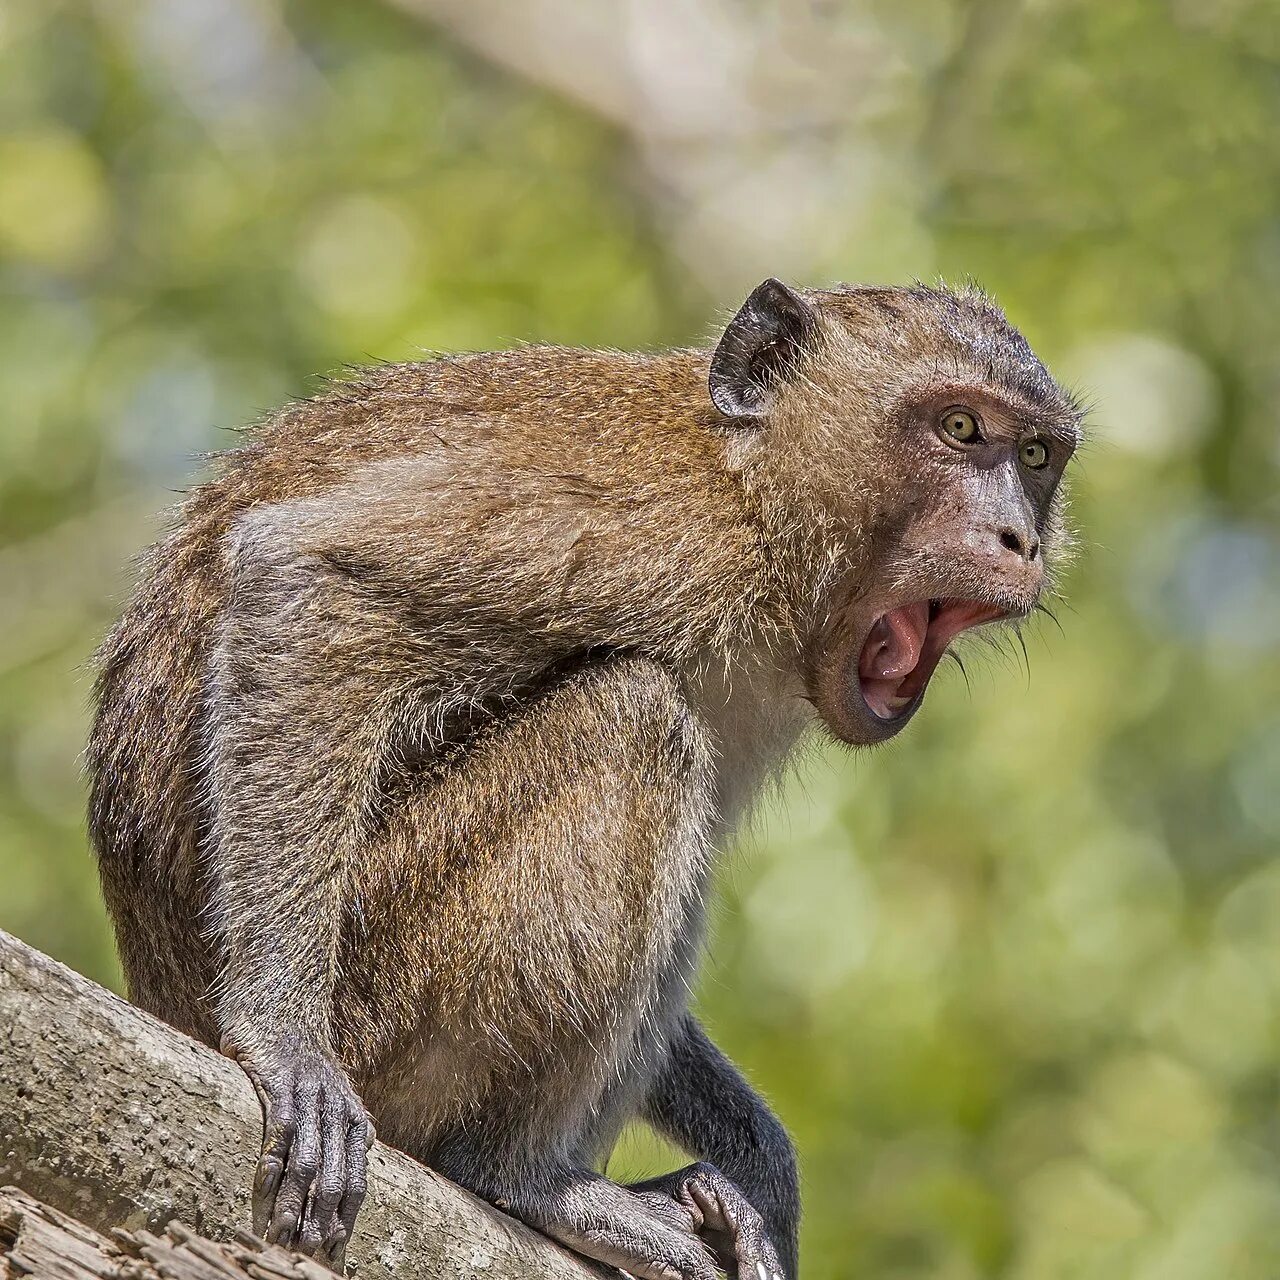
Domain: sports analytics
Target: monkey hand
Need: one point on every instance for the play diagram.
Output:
(721, 1216)
(311, 1176)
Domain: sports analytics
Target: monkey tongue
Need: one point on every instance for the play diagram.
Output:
(904, 646)
(893, 648)
(889, 656)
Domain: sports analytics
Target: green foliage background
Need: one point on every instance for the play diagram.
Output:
(1013, 982)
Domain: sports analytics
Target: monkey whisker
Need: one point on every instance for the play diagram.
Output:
(955, 657)
(1026, 659)
(1053, 617)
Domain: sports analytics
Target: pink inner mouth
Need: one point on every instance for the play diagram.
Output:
(906, 644)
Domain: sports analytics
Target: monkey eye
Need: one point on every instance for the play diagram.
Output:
(960, 425)
(1033, 454)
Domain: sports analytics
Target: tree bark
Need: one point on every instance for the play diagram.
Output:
(38, 1241)
(120, 1121)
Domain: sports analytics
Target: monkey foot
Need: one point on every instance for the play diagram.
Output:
(648, 1238)
(721, 1216)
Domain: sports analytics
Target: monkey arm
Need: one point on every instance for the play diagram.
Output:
(358, 628)
(295, 727)
(700, 1100)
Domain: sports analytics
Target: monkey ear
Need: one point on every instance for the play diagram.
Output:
(759, 348)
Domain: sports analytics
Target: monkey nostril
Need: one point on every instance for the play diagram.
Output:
(1024, 546)
(1011, 542)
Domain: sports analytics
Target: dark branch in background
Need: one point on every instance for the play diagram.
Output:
(709, 96)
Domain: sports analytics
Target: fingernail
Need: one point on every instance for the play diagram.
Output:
(762, 1272)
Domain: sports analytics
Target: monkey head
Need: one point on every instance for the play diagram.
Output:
(916, 445)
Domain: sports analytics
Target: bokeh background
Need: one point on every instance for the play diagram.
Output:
(1014, 981)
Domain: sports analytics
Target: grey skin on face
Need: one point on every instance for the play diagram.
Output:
(421, 733)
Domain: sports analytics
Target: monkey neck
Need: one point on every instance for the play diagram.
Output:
(756, 713)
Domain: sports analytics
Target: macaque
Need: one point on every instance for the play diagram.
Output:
(421, 734)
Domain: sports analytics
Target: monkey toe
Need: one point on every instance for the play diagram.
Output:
(648, 1251)
(723, 1217)
(736, 1229)
(606, 1222)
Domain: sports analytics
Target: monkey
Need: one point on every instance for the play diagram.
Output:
(422, 732)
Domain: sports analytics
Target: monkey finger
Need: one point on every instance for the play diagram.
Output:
(359, 1141)
(320, 1215)
(299, 1173)
(266, 1184)
(281, 1128)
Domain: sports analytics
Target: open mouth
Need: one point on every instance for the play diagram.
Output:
(905, 645)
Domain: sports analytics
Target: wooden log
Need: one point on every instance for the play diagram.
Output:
(118, 1120)
(38, 1241)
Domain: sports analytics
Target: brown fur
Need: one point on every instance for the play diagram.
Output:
(422, 723)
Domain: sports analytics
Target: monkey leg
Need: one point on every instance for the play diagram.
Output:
(700, 1100)
(649, 1238)
(527, 924)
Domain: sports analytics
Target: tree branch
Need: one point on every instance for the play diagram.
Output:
(120, 1121)
(37, 1240)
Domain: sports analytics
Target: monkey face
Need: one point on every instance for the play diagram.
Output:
(926, 443)
(965, 520)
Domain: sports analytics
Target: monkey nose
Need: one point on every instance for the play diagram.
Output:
(1011, 554)
(1025, 544)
